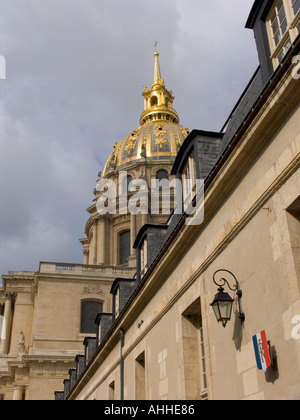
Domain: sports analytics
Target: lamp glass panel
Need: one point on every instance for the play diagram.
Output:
(225, 309)
(216, 310)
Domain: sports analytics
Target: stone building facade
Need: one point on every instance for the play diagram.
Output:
(155, 335)
(165, 342)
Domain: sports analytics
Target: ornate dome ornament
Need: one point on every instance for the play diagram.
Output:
(159, 135)
(158, 100)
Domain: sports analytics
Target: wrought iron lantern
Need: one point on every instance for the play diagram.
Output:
(223, 302)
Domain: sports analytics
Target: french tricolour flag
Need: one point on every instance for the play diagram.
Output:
(261, 349)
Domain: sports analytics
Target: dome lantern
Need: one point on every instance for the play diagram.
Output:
(158, 101)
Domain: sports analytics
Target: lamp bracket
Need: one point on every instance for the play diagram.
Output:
(222, 281)
(273, 356)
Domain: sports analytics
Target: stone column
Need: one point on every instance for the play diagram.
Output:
(7, 322)
(101, 241)
(85, 256)
(95, 243)
(18, 394)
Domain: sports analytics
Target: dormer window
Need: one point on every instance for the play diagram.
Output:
(283, 24)
(148, 243)
(189, 180)
(278, 21)
(144, 258)
(104, 322)
(121, 291)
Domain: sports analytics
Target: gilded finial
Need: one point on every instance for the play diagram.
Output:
(157, 74)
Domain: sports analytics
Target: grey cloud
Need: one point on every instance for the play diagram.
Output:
(75, 75)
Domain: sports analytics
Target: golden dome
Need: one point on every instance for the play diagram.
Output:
(159, 135)
(156, 140)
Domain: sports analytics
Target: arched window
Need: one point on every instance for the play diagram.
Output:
(89, 311)
(124, 247)
(154, 101)
(162, 174)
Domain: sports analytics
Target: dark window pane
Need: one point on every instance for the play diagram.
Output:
(296, 6)
(162, 174)
(281, 15)
(275, 27)
(124, 247)
(284, 27)
(89, 311)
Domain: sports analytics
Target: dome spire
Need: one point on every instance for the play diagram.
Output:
(157, 73)
(158, 100)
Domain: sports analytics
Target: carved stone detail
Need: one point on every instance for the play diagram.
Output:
(92, 290)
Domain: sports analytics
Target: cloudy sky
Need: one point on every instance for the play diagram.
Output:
(75, 73)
